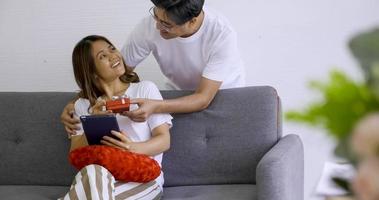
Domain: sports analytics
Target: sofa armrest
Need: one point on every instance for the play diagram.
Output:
(280, 173)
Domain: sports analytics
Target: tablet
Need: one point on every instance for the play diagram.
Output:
(97, 126)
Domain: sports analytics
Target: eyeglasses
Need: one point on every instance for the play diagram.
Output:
(162, 24)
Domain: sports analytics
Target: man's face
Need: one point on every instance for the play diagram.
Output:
(167, 28)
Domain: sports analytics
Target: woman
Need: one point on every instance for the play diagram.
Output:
(100, 73)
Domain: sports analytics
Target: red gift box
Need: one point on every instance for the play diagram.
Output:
(118, 105)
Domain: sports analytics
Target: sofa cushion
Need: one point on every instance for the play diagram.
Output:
(204, 192)
(17, 192)
(211, 192)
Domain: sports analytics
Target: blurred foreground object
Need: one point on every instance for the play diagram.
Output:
(366, 183)
(343, 103)
(327, 186)
(365, 146)
(340, 198)
(365, 48)
(365, 138)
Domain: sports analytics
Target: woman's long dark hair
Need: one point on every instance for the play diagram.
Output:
(85, 70)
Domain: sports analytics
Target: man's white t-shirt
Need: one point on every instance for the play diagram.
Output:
(136, 131)
(211, 52)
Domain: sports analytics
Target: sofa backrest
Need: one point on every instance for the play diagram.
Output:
(222, 144)
(33, 142)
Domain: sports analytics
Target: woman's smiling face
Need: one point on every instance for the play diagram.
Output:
(108, 61)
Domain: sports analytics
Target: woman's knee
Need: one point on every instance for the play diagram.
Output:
(93, 167)
(94, 170)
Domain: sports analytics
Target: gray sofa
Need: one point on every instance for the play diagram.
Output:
(232, 150)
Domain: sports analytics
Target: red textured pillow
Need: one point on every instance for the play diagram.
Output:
(124, 165)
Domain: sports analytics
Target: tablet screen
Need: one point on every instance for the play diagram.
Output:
(97, 126)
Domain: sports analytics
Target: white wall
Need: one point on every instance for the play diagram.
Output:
(284, 43)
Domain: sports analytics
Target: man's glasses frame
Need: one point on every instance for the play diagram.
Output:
(163, 25)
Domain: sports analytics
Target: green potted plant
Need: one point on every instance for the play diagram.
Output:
(344, 101)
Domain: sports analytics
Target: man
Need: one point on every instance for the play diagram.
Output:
(195, 48)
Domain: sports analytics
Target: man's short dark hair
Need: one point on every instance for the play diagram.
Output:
(180, 11)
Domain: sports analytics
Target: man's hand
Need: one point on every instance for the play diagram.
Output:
(68, 119)
(146, 108)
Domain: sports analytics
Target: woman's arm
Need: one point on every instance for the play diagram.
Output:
(158, 143)
(78, 141)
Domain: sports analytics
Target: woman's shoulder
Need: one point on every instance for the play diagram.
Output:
(82, 101)
(145, 85)
(144, 89)
(81, 106)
